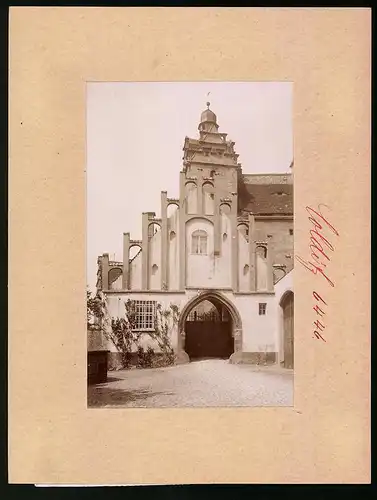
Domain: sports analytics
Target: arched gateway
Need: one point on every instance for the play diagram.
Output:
(287, 305)
(209, 327)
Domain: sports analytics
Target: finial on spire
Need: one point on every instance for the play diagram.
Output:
(208, 103)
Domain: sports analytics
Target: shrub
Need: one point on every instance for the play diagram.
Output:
(145, 358)
(121, 332)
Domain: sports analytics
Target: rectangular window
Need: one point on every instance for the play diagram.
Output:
(291, 232)
(145, 314)
(262, 308)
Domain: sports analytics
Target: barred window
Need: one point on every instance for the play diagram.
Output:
(199, 242)
(262, 308)
(145, 314)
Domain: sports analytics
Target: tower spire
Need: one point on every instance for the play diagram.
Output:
(208, 120)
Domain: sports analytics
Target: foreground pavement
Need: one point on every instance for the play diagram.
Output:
(206, 383)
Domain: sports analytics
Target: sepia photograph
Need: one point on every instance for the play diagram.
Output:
(188, 172)
(190, 244)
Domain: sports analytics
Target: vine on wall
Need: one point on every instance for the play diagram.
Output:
(94, 311)
(127, 340)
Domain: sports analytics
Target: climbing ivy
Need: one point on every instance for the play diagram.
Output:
(94, 310)
(165, 320)
(127, 340)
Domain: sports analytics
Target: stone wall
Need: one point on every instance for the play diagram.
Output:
(280, 240)
(259, 332)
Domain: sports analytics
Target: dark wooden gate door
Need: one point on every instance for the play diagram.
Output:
(288, 331)
(208, 339)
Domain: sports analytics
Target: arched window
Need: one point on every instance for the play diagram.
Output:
(191, 198)
(115, 278)
(208, 199)
(262, 251)
(244, 230)
(199, 242)
(224, 209)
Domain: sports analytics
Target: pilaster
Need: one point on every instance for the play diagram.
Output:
(252, 254)
(105, 271)
(234, 251)
(270, 269)
(145, 251)
(182, 232)
(164, 240)
(237, 339)
(261, 240)
(217, 223)
(126, 261)
(199, 193)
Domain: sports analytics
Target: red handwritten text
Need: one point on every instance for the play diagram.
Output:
(320, 248)
(320, 312)
(319, 244)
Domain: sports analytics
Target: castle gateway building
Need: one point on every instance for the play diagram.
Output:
(222, 253)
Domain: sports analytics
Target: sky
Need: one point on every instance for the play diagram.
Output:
(135, 136)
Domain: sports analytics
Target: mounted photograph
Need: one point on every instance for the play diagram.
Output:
(190, 244)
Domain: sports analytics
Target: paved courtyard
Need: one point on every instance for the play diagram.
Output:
(214, 382)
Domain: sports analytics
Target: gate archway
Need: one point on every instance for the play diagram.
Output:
(209, 327)
(287, 305)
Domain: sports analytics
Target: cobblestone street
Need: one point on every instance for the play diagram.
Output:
(206, 383)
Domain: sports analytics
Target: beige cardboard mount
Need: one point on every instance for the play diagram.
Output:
(53, 437)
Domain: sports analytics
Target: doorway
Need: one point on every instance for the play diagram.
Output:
(287, 304)
(208, 331)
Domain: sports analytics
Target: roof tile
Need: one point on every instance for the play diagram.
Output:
(267, 199)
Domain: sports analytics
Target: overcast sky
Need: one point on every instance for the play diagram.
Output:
(135, 135)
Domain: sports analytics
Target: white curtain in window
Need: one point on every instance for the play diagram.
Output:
(199, 242)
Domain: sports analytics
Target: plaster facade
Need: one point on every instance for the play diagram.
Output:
(228, 239)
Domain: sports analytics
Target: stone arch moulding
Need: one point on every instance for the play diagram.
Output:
(285, 296)
(182, 356)
(175, 203)
(288, 292)
(264, 248)
(276, 271)
(135, 245)
(133, 255)
(113, 275)
(225, 208)
(118, 271)
(207, 218)
(243, 229)
(154, 223)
